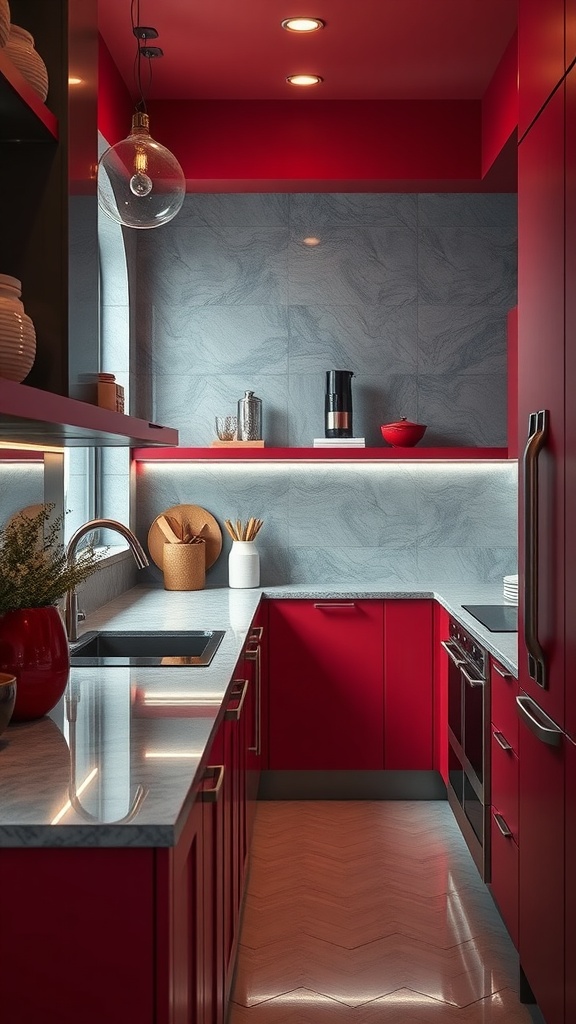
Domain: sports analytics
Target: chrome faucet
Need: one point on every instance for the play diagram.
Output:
(73, 615)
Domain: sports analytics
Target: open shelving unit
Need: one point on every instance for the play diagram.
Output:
(319, 454)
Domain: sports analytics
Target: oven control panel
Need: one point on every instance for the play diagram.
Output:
(470, 648)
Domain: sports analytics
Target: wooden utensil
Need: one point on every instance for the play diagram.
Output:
(199, 520)
(167, 530)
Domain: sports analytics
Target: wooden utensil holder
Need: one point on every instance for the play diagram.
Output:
(184, 566)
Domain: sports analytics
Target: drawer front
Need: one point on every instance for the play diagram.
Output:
(505, 784)
(504, 883)
(504, 689)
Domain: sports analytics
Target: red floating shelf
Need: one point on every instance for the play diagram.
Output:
(311, 454)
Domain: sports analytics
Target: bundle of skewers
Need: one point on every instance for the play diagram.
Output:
(243, 531)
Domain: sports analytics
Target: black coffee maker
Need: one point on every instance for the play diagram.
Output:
(338, 403)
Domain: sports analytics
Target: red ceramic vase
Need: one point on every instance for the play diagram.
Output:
(34, 647)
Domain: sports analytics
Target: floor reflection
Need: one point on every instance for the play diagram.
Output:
(368, 912)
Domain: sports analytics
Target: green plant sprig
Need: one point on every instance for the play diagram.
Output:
(33, 567)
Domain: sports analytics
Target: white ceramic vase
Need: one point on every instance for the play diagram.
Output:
(20, 49)
(17, 334)
(243, 565)
(4, 22)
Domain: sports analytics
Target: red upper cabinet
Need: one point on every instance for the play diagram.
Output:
(541, 387)
(326, 704)
(512, 348)
(541, 61)
(570, 403)
(570, 32)
(408, 691)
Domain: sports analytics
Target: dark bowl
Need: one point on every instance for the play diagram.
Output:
(7, 698)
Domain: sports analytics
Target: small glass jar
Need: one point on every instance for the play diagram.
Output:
(243, 565)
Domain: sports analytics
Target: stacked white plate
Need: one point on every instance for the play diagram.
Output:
(511, 588)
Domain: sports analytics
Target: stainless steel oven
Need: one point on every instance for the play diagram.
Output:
(469, 742)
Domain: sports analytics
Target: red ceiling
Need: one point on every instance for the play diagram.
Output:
(369, 49)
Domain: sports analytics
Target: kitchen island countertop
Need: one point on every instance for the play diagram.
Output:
(117, 763)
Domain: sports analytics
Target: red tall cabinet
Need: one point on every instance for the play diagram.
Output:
(570, 541)
(547, 547)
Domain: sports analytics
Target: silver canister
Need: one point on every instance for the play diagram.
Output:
(250, 417)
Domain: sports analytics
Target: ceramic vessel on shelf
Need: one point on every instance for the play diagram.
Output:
(17, 334)
(184, 566)
(243, 565)
(403, 434)
(20, 49)
(4, 22)
(7, 698)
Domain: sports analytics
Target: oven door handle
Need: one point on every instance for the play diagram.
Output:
(470, 679)
(448, 645)
(537, 436)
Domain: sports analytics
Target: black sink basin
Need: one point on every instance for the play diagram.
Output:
(193, 647)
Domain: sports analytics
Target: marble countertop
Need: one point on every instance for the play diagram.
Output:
(117, 761)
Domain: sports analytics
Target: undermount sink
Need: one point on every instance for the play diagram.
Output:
(189, 648)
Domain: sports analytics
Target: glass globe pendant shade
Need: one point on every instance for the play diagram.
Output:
(140, 183)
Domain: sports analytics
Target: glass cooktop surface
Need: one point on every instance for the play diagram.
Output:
(497, 618)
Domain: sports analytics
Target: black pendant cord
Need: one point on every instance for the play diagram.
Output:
(135, 18)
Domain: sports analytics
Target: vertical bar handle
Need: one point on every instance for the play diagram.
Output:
(253, 654)
(537, 435)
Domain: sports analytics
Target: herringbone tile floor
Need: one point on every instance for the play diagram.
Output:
(362, 912)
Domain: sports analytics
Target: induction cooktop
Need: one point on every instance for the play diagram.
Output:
(497, 618)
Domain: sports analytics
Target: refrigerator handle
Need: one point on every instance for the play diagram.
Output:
(543, 727)
(537, 435)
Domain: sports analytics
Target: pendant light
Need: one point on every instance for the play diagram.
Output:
(140, 183)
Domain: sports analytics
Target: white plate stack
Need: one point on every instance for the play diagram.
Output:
(339, 442)
(511, 589)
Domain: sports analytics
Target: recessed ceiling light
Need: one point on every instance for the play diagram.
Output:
(302, 24)
(304, 79)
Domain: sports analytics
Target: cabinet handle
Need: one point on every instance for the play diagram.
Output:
(448, 647)
(334, 604)
(501, 671)
(470, 679)
(501, 822)
(501, 740)
(253, 654)
(537, 435)
(234, 714)
(545, 729)
(211, 796)
(256, 632)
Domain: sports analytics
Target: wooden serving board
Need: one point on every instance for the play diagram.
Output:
(195, 517)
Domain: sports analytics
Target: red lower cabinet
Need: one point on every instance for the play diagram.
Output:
(180, 936)
(408, 691)
(256, 669)
(504, 873)
(504, 881)
(440, 691)
(504, 830)
(77, 936)
(230, 750)
(326, 699)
